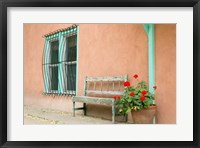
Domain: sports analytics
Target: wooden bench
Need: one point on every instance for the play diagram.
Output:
(108, 86)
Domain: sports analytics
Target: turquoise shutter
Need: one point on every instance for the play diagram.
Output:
(46, 66)
(61, 64)
(62, 50)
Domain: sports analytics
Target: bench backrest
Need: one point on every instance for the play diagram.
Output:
(109, 85)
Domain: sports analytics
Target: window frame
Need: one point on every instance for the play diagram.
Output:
(59, 36)
(51, 65)
(66, 63)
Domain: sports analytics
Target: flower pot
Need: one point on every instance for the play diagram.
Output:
(144, 116)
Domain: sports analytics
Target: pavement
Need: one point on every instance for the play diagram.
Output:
(37, 115)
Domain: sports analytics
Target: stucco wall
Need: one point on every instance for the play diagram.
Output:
(165, 71)
(104, 49)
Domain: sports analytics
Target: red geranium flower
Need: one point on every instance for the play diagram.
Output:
(144, 92)
(135, 76)
(119, 97)
(127, 84)
(142, 98)
(132, 94)
(115, 97)
(155, 87)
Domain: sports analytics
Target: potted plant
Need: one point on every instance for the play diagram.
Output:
(137, 100)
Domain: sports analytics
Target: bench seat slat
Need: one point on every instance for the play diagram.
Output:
(105, 92)
(117, 78)
(93, 100)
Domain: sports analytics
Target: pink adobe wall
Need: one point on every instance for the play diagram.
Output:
(104, 49)
(109, 50)
(165, 65)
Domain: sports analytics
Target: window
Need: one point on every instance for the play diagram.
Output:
(60, 62)
(54, 65)
(70, 64)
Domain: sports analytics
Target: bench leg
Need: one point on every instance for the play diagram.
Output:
(126, 118)
(113, 113)
(84, 106)
(73, 109)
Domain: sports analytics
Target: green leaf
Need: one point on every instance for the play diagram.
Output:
(137, 97)
(137, 103)
(120, 110)
(129, 99)
(128, 110)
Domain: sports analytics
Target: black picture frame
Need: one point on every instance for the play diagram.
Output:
(4, 4)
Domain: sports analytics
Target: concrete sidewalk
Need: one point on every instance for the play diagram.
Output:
(36, 115)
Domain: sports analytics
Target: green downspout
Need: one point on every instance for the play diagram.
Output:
(149, 28)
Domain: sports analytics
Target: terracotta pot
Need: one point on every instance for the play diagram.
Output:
(144, 116)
